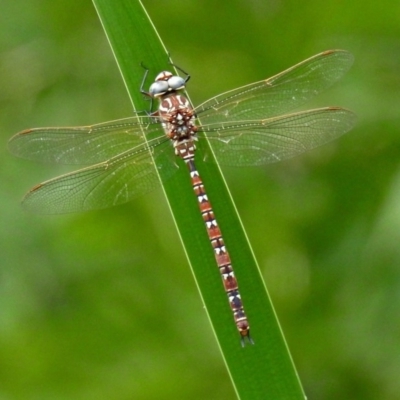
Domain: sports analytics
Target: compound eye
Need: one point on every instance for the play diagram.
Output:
(158, 88)
(176, 83)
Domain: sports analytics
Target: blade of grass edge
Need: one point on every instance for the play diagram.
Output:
(264, 370)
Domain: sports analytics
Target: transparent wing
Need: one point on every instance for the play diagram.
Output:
(83, 144)
(249, 143)
(102, 185)
(281, 93)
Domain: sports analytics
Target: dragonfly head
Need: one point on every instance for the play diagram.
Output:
(166, 82)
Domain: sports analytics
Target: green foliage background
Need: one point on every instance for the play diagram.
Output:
(103, 305)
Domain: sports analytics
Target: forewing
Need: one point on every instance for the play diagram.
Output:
(106, 184)
(281, 93)
(250, 143)
(83, 144)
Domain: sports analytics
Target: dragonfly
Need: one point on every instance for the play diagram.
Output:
(248, 126)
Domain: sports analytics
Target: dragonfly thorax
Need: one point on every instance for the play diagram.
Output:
(166, 82)
(178, 120)
(177, 117)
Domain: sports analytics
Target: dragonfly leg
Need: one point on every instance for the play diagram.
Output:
(147, 94)
(178, 68)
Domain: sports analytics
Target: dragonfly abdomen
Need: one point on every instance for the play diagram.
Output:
(221, 254)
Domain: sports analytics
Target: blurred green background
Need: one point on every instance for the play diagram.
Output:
(103, 305)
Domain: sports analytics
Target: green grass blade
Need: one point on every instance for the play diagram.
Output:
(264, 370)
